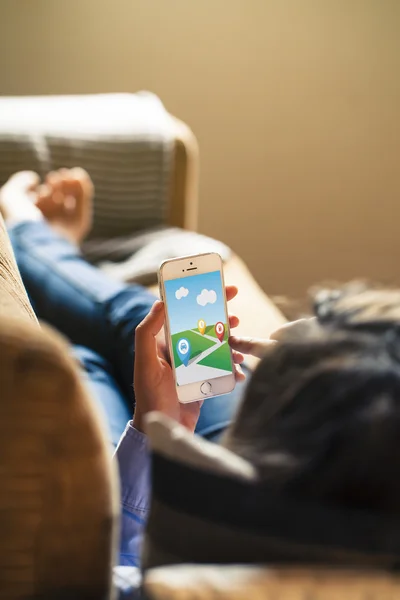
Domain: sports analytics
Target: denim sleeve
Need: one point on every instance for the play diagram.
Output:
(133, 459)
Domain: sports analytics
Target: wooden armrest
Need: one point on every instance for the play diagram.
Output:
(183, 203)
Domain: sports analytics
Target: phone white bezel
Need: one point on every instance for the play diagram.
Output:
(177, 268)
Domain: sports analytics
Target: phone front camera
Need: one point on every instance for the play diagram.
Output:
(191, 263)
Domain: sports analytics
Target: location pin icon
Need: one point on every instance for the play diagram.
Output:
(201, 326)
(183, 350)
(220, 330)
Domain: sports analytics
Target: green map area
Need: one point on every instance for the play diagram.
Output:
(210, 330)
(219, 355)
(219, 359)
(197, 344)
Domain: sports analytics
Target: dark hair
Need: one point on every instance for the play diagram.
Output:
(321, 416)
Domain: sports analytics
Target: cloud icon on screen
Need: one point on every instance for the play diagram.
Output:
(206, 297)
(181, 293)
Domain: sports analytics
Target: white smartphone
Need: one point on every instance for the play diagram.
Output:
(197, 327)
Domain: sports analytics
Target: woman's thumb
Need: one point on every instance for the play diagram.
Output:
(146, 332)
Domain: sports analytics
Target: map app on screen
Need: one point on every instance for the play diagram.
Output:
(198, 327)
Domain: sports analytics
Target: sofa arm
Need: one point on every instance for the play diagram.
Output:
(59, 502)
(58, 490)
(184, 185)
(14, 301)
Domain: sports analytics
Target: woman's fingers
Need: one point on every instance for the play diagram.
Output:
(237, 357)
(231, 291)
(233, 321)
(239, 375)
(255, 347)
(258, 347)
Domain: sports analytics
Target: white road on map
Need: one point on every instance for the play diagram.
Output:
(195, 372)
(203, 335)
(208, 351)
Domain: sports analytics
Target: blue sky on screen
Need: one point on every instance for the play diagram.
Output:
(185, 311)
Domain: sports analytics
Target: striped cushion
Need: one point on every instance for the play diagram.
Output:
(124, 141)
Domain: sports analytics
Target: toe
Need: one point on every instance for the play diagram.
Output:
(43, 193)
(55, 181)
(85, 181)
(70, 185)
(25, 180)
(45, 201)
(17, 197)
(81, 187)
(70, 204)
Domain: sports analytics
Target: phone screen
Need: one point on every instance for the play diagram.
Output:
(198, 327)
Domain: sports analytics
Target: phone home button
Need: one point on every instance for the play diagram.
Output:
(206, 388)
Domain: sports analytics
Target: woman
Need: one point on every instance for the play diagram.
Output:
(320, 418)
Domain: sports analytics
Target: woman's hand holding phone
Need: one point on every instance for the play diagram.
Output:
(154, 382)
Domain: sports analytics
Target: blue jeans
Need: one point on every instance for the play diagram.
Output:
(99, 317)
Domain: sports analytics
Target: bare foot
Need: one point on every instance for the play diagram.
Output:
(17, 198)
(66, 202)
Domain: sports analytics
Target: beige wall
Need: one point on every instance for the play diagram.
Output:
(296, 105)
